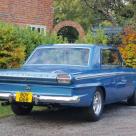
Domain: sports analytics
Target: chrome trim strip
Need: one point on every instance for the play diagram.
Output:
(42, 98)
(5, 96)
(20, 74)
(87, 76)
(27, 81)
(58, 99)
(87, 85)
(39, 78)
(84, 66)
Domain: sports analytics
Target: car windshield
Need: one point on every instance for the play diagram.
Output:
(60, 56)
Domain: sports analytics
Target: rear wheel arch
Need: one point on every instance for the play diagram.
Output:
(132, 100)
(101, 88)
(95, 110)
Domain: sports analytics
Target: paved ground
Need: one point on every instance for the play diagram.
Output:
(117, 120)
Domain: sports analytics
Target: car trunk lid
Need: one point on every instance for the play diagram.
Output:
(26, 77)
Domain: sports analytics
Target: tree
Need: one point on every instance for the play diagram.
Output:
(73, 10)
(93, 12)
(116, 11)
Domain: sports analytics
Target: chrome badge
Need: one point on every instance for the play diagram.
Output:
(28, 88)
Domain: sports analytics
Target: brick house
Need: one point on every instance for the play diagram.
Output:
(37, 14)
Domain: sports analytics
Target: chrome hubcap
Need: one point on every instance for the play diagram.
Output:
(97, 103)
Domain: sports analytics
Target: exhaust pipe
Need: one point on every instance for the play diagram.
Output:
(5, 103)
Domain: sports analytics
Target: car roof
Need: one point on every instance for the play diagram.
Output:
(77, 46)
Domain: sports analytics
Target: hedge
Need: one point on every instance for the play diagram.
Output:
(94, 38)
(128, 47)
(17, 43)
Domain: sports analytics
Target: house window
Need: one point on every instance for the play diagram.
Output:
(39, 28)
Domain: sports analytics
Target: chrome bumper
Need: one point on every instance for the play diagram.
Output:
(44, 99)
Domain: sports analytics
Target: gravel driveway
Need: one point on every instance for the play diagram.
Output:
(117, 120)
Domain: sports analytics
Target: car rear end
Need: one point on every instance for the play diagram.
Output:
(41, 89)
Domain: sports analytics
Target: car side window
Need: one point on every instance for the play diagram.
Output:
(110, 57)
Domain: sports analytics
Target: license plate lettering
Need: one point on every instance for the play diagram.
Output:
(24, 97)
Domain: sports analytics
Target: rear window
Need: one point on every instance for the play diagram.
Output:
(60, 56)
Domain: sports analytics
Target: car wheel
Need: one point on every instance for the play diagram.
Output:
(132, 100)
(21, 109)
(93, 113)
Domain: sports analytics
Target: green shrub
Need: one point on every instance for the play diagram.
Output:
(17, 43)
(94, 38)
(128, 47)
(12, 49)
(32, 39)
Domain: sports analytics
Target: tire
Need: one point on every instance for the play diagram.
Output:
(94, 112)
(132, 100)
(21, 109)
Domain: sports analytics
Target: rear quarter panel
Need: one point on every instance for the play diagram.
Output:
(114, 91)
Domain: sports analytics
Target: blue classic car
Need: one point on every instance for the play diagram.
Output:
(85, 76)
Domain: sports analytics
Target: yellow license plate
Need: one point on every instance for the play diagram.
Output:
(24, 97)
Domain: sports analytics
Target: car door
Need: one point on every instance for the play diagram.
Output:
(125, 80)
(112, 64)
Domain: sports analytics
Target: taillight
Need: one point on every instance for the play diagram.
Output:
(64, 79)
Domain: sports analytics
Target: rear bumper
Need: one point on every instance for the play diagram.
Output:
(44, 99)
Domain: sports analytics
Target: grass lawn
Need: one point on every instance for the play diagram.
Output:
(6, 110)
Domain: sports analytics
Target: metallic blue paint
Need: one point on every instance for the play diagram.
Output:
(119, 83)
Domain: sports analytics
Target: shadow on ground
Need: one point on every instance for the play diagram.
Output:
(72, 114)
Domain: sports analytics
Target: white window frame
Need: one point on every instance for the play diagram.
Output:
(36, 27)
